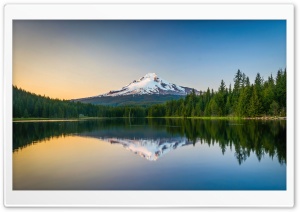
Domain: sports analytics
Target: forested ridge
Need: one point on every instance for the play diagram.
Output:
(261, 98)
(30, 105)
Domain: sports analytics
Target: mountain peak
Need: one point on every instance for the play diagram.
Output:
(151, 75)
(149, 84)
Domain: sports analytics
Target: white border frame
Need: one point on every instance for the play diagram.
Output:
(147, 198)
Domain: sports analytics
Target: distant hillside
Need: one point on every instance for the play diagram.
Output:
(138, 100)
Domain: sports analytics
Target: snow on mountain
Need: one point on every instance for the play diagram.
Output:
(150, 84)
(148, 149)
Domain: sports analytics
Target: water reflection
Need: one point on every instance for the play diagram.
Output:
(149, 149)
(152, 138)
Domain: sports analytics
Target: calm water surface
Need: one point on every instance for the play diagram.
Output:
(150, 154)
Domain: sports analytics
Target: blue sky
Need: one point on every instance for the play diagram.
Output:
(72, 59)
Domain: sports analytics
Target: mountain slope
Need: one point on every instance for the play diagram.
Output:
(138, 100)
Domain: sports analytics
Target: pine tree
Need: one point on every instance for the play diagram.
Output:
(236, 89)
(237, 81)
(220, 99)
(255, 104)
(268, 95)
(281, 90)
(274, 107)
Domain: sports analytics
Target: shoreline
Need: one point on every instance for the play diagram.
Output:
(95, 118)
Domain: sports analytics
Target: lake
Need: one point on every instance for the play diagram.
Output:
(150, 154)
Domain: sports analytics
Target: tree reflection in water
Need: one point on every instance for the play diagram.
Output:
(243, 136)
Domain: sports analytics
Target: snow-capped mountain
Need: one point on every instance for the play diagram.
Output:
(149, 84)
(149, 149)
(148, 90)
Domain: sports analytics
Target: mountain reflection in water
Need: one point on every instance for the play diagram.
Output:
(149, 149)
(153, 138)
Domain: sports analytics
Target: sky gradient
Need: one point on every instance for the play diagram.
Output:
(73, 59)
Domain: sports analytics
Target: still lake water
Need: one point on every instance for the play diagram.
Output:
(149, 154)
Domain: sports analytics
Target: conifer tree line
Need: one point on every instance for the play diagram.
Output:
(261, 98)
(30, 105)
